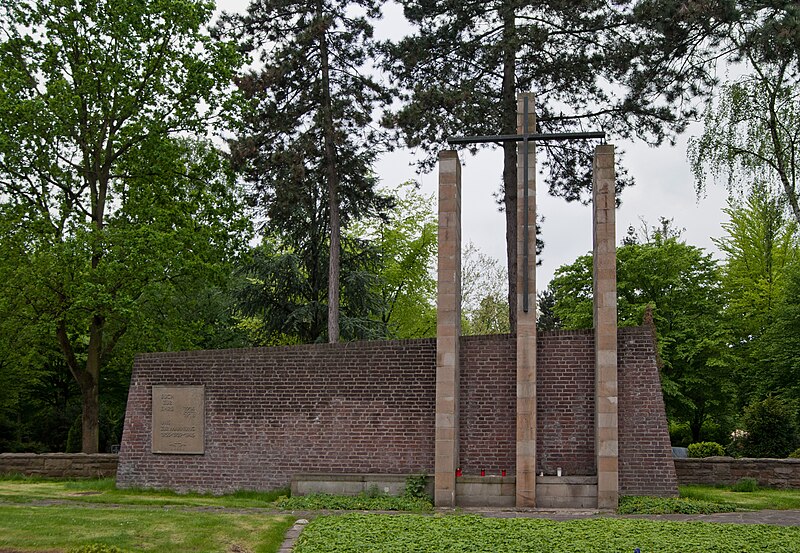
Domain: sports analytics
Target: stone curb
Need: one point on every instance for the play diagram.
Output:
(291, 536)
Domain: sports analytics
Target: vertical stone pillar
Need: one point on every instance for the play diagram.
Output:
(448, 329)
(526, 321)
(605, 328)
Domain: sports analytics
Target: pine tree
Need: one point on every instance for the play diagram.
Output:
(468, 60)
(307, 135)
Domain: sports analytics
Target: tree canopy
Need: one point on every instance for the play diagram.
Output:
(682, 283)
(104, 199)
(306, 143)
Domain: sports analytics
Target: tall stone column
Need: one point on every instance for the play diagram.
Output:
(605, 328)
(526, 321)
(448, 329)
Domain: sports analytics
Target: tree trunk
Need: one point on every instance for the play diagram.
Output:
(90, 390)
(333, 191)
(509, 126)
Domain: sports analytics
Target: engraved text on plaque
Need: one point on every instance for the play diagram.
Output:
(178, 415)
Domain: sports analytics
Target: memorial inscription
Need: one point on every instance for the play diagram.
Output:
(178, 415)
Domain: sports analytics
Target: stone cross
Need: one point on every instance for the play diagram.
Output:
(449, 315)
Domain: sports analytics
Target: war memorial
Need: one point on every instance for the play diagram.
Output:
(543, 420)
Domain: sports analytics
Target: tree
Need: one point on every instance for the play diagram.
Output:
(309, 116)
(483, 293)
(750, 131)
(761, 243)
(462, 69)
(682, 283)
(752, 135)
(782, 340)
(89, 93)
(406, 243)
(283, 296)
(546, 318)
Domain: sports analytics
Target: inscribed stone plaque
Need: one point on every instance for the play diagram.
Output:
(178, 416)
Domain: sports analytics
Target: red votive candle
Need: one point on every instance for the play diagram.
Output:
(503, 472)
(458, 472)
(483, 472)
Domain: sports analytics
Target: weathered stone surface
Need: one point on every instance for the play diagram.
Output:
(178, 419)
(448, 330)
(605, 328)
(59, 465)
(774, 473)
(526, 321)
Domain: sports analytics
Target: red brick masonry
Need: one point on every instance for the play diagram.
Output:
(368, 407)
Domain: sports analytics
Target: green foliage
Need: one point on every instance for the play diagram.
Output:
(705, 449)
(96, 548)
(643, 505)
(771, 427)
(361, 502)
(417, 487)
(782, 340)
(405, 241)
(306, 143)
(760, 246)
(794, 454)
(751, 135)
(745, 485)
(284, 292)
(100, 202)
(682, 283)
(357, 532)
(484, 293)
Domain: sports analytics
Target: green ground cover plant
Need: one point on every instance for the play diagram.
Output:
(361, 502)
(761, 498)
(138, 528)
(357, 532)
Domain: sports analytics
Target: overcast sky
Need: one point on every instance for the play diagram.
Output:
(664, 188)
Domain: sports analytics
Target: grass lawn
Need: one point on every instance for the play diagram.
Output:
(26, 490)
(60, 514)
(457, 534)
(756, 500)
(61, 527)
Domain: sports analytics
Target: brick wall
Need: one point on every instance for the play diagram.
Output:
(645, 454)
(59, 465)
(565, 403)
(773, 473)
(488, 404)
(368, 407)
(271, 412)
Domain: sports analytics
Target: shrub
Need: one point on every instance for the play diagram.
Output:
(795, 454)
(705, 449)
(771, 429)
(417, 487)
(361, 502)
(745, 485)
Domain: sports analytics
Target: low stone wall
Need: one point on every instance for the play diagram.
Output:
(773, 473)
(60, 465)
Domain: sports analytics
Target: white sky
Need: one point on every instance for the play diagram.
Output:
(664, 188)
